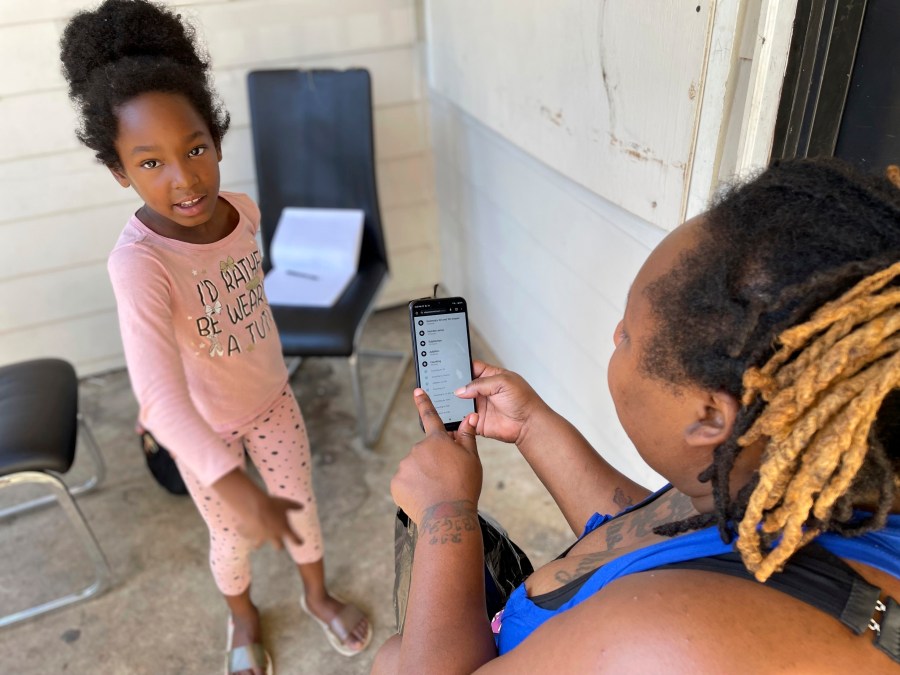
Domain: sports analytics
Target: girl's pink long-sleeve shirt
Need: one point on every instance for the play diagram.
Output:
(201, 346)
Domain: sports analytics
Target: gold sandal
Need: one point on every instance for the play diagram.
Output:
(245, 657)
(340, 627)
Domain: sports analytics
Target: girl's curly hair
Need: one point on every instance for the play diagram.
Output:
(125, 48)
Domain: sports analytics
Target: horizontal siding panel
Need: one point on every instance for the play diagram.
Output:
(238, 164)
(401, 130)
(33, 51)
(237, 33)
(63, 212)
(402, 181)
(18, 137)
(406, 181)
(535, 257)
(400, 117)
(14, 12)
(43, 244)
(414, 272)
(605, 253)
(396, 73)
(41, 186)
(54, 296)
(570, 380)
(84, 339)
(410, 226)
(396, 77)
(542, 279)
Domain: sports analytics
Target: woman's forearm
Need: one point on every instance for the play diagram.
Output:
(446, 628)
(580, 481)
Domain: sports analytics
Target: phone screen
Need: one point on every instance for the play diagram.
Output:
(440, 333)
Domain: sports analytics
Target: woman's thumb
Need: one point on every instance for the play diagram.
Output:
(482, 386)
(465, 434)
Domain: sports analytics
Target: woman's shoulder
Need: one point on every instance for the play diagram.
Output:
(693, 621)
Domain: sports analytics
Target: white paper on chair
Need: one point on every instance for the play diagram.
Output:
(315, 254)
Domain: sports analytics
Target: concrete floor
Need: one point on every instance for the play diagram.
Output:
(164, 615)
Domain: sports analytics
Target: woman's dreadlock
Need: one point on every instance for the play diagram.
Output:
(798, 286)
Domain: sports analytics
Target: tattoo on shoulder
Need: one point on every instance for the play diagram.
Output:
(622, 500)
(445, 522)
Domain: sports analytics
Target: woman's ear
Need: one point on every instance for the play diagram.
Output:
(714, 420)
(120, 176)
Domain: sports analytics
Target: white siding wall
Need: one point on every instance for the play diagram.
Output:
(545, 266)
(62, 212)
(568, 140)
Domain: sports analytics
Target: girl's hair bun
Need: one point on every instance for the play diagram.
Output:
(126, 48)
(119, 29)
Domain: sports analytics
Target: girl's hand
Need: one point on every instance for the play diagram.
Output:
(261, 518)
(504, 400)
(267, 522)
(442, 467)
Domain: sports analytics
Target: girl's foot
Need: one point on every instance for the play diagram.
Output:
(246, 631)
(332, 615)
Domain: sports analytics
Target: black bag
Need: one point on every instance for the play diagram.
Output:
(505, 565)
(161, 465)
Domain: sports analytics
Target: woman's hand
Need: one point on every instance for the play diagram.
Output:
(443, 467)
(504, 400)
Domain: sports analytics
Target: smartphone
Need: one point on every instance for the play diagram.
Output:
(443, 355)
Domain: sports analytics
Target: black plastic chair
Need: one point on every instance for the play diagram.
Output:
(314, 147)
(39, 425)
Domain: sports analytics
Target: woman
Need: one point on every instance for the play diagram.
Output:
(755, 369)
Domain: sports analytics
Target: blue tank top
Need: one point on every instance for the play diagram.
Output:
(521, 616)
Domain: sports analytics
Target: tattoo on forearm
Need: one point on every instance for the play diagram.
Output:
(622, 500)
(446, 522)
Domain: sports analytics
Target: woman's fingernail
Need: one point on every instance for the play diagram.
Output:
(460, 391)
(418, 392)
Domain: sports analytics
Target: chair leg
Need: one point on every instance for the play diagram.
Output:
(370, 436)
(95, 479)
(292, 363)
(103, 575)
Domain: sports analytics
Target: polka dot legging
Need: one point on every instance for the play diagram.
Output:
(279, 448)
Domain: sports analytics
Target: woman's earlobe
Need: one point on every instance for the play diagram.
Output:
(120, 177)
(714, 421)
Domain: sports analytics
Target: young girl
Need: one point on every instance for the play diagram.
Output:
(202, 350)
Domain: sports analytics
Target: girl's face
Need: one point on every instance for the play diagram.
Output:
(170, 158)
(674, 428)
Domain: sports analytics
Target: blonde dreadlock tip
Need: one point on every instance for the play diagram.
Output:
(893, 174)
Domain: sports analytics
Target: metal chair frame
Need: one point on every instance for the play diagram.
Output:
(62, 494)
(368, 435)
